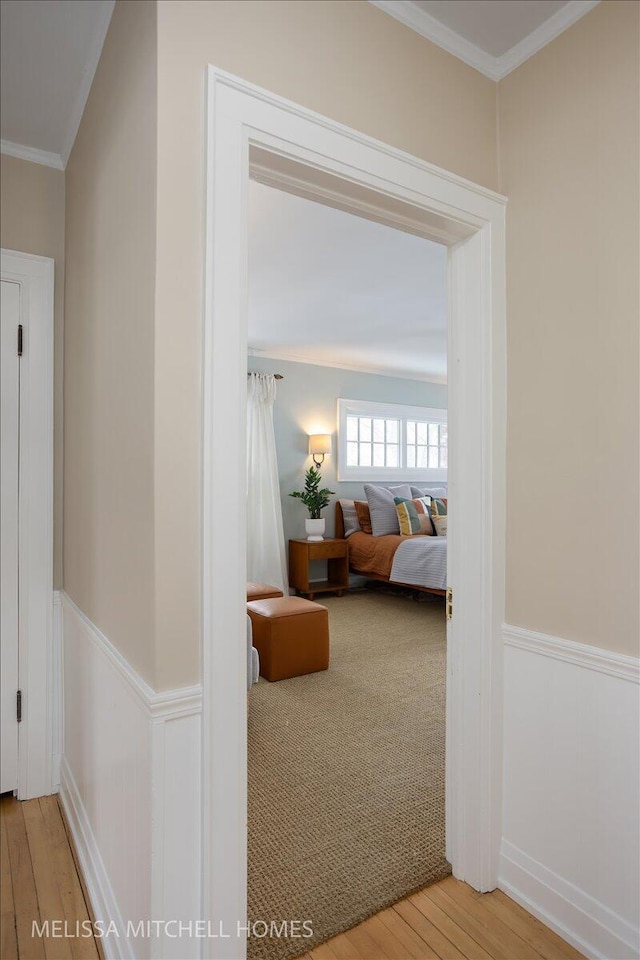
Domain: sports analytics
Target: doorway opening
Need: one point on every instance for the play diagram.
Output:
(253, 132)
(346, 809)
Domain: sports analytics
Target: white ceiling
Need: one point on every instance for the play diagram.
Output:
(49, 53)
(493, 25)
(332, 288)
(494, 36)
(50, 50)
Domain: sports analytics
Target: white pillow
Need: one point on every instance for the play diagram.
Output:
(417, 492)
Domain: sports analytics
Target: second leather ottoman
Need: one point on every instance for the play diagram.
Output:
(291, 635)
(262, 591)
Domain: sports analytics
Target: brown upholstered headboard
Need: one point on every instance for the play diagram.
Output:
(339, 521)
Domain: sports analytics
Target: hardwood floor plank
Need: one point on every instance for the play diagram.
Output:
(79, 874)
(25, 897)
(548, 944)
(344, 948)
(387, 939)
(71, 894)
(364, 942)
(458, 935)
(500, 943)
(42, 858)
(475, 904)
(417, 948)
(323, 952)
(428, 932)
(8, 935)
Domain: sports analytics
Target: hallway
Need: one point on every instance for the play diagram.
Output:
(448, 920)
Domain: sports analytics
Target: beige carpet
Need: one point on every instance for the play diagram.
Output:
(346, 773)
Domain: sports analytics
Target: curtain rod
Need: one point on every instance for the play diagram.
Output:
(277, 376)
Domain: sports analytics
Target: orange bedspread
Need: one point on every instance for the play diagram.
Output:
(368, 554)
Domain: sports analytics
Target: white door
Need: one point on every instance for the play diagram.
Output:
(9, 443)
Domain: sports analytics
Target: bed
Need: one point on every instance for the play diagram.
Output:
(417, 562)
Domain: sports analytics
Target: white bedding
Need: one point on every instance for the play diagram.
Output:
(421, 562)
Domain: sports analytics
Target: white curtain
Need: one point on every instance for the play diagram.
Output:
(265, 533)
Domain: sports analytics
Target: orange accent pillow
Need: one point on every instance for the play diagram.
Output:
(364, 515)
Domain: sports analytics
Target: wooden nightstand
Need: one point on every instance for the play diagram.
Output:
(335, 552)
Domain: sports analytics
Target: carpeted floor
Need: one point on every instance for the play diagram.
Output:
(346, 773)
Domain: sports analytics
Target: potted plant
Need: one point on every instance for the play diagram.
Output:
(315, 499)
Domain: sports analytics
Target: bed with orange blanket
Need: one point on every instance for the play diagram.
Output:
(373, 557)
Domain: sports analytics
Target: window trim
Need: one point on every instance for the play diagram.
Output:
(401, 412)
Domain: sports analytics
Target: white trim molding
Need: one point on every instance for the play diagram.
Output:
(104, 903)
(577, 917)
(355, 368)
(571, 841)
(247, 124)
(57, 695)
(35, 277)
(581, 654)
(491, 66)
(130, 788)
(32, 154)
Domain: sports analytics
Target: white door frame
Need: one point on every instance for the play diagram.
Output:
(290, 145)
(35, 607)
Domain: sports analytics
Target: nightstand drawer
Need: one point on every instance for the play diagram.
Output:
(325, 551)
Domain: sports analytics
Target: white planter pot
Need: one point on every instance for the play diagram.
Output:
(315, 529)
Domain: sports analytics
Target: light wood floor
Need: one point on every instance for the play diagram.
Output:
(40, 881)
(448, 920)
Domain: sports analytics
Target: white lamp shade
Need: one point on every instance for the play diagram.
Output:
(320, 443)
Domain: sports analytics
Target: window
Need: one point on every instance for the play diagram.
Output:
(381, 441)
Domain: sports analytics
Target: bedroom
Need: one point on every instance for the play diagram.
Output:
(326, 290)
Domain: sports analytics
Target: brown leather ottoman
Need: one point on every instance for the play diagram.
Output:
(261, 591)
(291, 635)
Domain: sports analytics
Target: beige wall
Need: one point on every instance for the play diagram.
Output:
(568, 139)
(32, 221)
(568, 121)
(346, 60)
(109, 375)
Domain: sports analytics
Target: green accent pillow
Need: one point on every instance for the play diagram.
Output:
(414, 516)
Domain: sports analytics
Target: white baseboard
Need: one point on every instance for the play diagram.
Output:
(104, 904)
(130, 786)
(57, 693)
(583, 921)
(570, 843)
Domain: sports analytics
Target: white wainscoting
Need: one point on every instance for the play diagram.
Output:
(130, 788)
(571, 790)
(57, 693)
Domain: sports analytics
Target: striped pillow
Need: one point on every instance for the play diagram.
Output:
(349, 517)
(438, 506)
(414, 517)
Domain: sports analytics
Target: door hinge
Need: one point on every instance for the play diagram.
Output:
(19, 705)
(449, 603)
(19, 339)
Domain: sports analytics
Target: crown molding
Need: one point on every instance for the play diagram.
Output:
(355, 368)
(560, 21)
(427, 26)
(91, 65)
(496, 68)
(32, 154)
